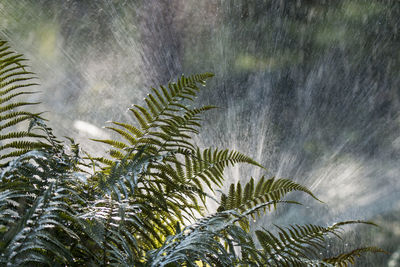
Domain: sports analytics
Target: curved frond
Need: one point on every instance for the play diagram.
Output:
(14, 80)
(201, 242)
(345, 259)
(165, 122)
(304, 242)
(208, 165)
(264, 191)
(38, 210)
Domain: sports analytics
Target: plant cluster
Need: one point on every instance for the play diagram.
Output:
(139, 206)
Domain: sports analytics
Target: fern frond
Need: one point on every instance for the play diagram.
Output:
(13, 80)
(14, 73)
(27, 115)
(8, 98)
(16, 87)
(198, 242)
(209, 164)
(345, 259)
(109, 223)
(15, 121)
(24, 145)
(102, 160)
(12, 106)
(114, 143)
(299, 241)
(130, 128)
(17, 135)
(165, 120)
(264, 191)
(39, 228)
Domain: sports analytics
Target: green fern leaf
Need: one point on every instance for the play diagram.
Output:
(140, 119)
(345, 259)
(130, 128)
(17, 135)
(113, 143)
(13, 80)
(265, 191)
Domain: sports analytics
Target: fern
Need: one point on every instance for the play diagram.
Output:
(108, 223)
(345, 259)
(174, 178)
(162, 125)
(54, 212)
(201, 242)
(14, 79)
(264, 191)
(285, 247)
(41, 212)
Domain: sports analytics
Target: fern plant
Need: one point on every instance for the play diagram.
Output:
(144, 203)
(14, 82)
